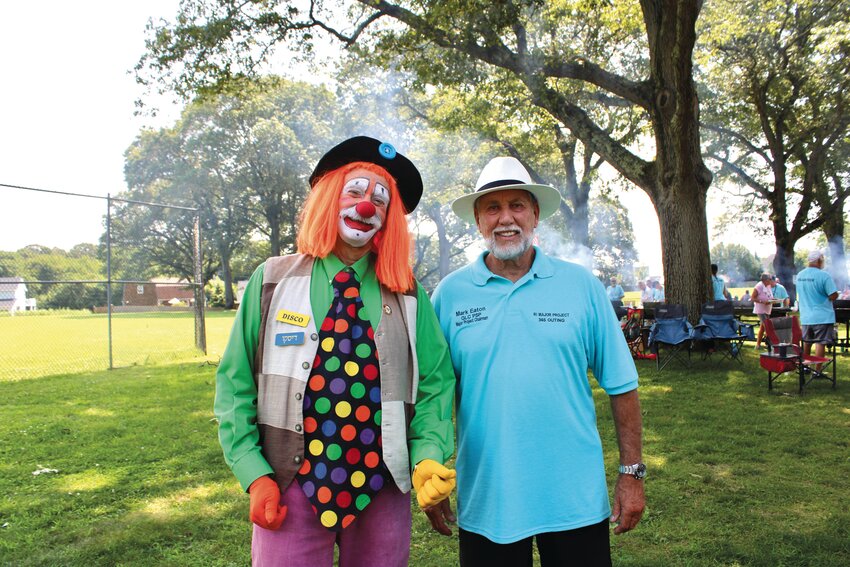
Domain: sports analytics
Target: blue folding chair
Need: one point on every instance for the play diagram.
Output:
(671, 332)
(720, 331)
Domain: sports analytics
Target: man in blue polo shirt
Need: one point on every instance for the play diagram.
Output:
(815, 293)
(530, 462)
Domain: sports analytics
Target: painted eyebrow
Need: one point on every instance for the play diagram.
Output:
(357, 182)
(382, 191)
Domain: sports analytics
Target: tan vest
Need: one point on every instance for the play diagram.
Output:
(283, 371)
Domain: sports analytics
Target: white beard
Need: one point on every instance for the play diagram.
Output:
(352, 236)
(506, 252)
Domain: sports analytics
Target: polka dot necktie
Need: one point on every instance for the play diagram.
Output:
(343, 468)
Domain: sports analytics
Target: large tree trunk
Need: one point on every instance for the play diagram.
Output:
(227, 277)
(681, 178)
(575, 210)
(274, 237)
(783, 265)
(684, 243)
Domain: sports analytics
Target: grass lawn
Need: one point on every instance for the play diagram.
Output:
(43, 343)
(123, 467)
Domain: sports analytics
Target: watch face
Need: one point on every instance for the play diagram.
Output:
(640, 470)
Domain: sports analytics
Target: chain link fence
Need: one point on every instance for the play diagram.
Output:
(128, 292)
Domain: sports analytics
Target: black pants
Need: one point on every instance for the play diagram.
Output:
(586, 547)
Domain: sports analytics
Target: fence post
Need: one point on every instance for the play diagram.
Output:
(109, 273)
(200, 298)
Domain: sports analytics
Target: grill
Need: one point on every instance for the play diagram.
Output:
(842, 315)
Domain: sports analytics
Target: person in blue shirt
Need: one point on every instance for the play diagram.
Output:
(529, 462)
(615, 291)
(780, 293)
(718, 286)
(657, 291)
(815, 293)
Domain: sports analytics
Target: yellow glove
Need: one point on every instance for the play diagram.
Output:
(433, 482)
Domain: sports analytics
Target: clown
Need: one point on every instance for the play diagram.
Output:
(336, 378)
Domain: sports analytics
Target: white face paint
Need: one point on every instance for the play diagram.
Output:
(354, 228)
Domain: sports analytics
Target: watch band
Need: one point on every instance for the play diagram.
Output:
(637, 470)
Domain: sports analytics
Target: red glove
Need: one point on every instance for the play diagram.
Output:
(266, 510)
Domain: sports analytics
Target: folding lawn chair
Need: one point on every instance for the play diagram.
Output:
(619, 310)
(721, 332)
(784, 336)
(633, 331)
(672, 332)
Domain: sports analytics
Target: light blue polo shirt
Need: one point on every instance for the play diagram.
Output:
(529, 454)
(779, 292)
(814, 286)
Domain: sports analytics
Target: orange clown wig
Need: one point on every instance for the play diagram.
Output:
(391, 245)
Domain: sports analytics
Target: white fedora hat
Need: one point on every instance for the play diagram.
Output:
(501, 174)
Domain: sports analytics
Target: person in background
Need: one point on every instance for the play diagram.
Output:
(646, 291)
(530, 464)
(780, 293)
(718, 286)
(815, 293)
(657, 291)
(762, 303)
(746, 296)
(615, 291)
(318, 428)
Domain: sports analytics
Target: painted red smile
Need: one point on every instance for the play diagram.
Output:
(357, 225)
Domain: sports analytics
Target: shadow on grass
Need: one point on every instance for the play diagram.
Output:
(739, 475)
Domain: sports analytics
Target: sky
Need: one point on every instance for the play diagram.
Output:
(66, 113)
(66, 118)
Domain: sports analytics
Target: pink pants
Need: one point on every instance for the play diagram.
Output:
(379, 536)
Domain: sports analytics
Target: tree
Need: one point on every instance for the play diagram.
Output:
(154, 241)
(242, 157)
(834, 229)
(549, 152)
(40, 263)
(442, 239)
(737, 262)
(779, 75)
(455, 41)
(612, 240)
(280, 127)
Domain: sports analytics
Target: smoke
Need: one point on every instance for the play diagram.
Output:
(554, 244)
(837, 261)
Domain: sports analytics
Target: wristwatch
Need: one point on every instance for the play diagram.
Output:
(637, 470)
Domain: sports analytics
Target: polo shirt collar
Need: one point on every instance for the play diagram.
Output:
(541, 267)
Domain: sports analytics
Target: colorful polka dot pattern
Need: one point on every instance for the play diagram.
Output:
(343, 468)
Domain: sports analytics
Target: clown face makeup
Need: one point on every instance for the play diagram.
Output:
(363, 205)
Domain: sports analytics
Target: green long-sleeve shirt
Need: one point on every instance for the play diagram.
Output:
(430, 434)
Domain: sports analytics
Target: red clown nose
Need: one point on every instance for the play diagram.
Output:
(365, 209)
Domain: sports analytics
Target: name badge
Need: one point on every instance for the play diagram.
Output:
(289, 339)
(292, 317)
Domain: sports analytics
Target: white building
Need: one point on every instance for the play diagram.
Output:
(13, 295)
